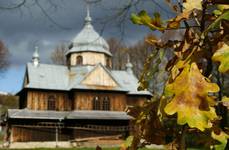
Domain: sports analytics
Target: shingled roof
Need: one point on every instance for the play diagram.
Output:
(57, 115)
(59, 77)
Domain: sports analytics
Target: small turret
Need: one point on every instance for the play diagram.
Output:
(129, 66)
(36, 58)
(88, 44)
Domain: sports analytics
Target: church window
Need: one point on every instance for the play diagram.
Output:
(96, 103)
(51, 103)
(79, 60)
(106, 103)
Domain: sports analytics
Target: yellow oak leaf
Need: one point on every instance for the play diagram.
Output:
(222, 7)
(175, 22)
(222, 55)
(191, 100)
(225, 101)
(189, 5)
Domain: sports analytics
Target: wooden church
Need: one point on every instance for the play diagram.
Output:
(83, 99)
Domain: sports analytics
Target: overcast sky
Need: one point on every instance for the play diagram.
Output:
(23, 29)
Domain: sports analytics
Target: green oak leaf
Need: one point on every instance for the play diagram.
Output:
(222, 138)
(143, 18)
(222, 55)
(216, 23)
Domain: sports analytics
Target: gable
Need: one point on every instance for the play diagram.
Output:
(99, 77)
(26, 78)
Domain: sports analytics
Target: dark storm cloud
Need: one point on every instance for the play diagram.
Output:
(22, 29)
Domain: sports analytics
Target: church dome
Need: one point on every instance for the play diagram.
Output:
(89, 40)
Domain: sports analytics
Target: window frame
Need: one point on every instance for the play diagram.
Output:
(96, 103)
(79, 60)
(106, 103)
(51, 105)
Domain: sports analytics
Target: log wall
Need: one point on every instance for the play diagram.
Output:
(84, 100)
(78, 134)
(24, 134)
(38, 100)
(90, 58)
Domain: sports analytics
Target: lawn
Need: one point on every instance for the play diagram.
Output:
(79, 149)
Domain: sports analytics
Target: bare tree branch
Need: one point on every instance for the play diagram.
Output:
(58, 55)
(49, 17)
(22, 3)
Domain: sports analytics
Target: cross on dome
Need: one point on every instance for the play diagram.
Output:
(88, 17)
(88, 40)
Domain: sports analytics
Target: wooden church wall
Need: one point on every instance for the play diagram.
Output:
(84, 100)
(99, 79)
(28, 134)
(25, 134)
(38, 100)
(89, 58)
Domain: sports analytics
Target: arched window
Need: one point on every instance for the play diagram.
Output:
(79, 60)
(96, 103)
(51, 103)
(106, 103)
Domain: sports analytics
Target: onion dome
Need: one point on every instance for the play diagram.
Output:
(89, 40)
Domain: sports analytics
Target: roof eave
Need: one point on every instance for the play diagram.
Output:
(69, 52)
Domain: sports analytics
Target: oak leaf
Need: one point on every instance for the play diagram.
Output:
(147, 124)
(191, 100)
(225, 101)
(222, 7)
(128, 141)
(216, 23)
(175, 23)
(222, 55)
(143, 18)
(222, 138)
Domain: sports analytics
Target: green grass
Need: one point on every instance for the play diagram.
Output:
(55, 149)
(78, 149)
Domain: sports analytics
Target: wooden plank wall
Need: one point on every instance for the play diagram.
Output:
(38, 100)
(89, 58)
(99, 77)
(23, 134)
(84, 100)
(88, 134)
